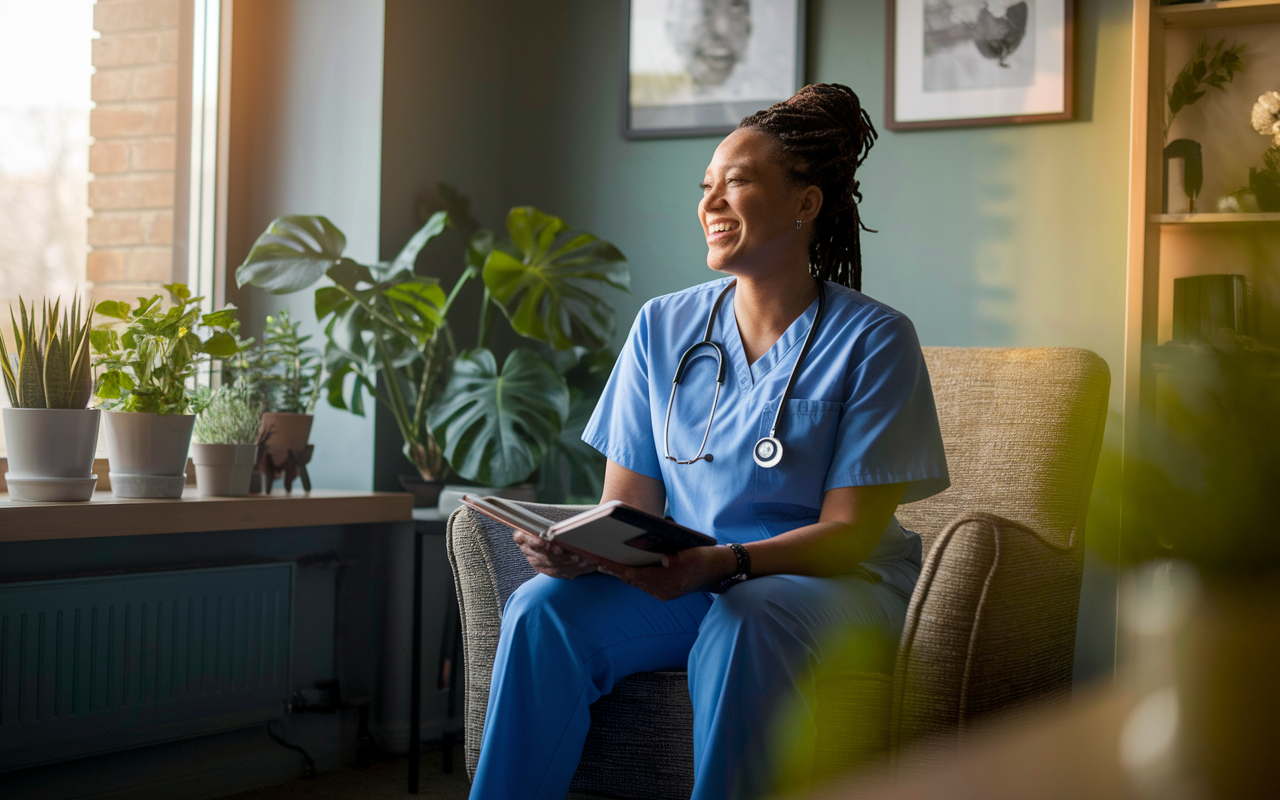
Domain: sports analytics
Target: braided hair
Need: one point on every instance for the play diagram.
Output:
(825, 135)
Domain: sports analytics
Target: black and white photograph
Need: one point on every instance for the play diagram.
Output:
(973, 62)
(696, 67)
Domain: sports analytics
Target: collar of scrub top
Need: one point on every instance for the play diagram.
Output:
(768, 451)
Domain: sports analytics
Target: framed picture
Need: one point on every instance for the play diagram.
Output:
(955, 63)
(697, 67)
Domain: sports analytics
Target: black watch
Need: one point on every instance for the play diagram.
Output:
(743, 571)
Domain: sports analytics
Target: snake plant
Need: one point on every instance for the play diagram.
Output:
(49, 367)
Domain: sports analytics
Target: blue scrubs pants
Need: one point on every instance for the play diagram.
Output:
(748, 651)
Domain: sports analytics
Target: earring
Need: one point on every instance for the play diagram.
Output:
(798, 224)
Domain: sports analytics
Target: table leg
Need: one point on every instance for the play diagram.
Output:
(415, 679)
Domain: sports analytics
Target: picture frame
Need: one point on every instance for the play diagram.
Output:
(965, 63)
(675, 85)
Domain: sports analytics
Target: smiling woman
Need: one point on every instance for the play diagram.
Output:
(805, 416)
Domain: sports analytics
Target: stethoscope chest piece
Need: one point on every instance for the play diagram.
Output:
(767, 452)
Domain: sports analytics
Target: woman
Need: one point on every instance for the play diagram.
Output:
(803, 508)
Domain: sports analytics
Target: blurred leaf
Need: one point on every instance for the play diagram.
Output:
(408, 255)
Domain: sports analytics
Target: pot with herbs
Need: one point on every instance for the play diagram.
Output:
(148, 358)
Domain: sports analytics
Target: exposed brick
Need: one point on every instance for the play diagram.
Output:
(108, 157)
(149, 190)
(110, 85)
(126, 228)
(154, 83)
(132, 49)
(153, 154)
(150, 264)
(132, 15)
(125, 292)
(104, 266)
(133, 119)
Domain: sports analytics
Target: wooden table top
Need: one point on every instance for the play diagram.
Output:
(107, 515)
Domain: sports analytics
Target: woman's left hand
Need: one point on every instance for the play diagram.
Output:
(698, 569)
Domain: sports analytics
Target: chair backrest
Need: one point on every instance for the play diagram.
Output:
(1022, 430)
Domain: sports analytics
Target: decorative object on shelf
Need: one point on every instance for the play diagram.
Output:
(1266, 116)
(1208, 68)
(696, 67)
(1188, 180)
(146, 372)
(50, 433)
(1204, 304)
(455, 410)
(284, 450)
(1265, 182)
(954, 63)
(225, 441)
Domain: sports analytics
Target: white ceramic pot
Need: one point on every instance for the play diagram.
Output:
(148, 453)
(223, 470)
(50, 453)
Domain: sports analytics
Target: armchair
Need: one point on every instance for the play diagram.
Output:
(991, 624)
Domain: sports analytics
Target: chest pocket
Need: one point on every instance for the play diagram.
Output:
(792, 490)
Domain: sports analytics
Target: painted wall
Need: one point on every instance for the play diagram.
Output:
(1005, 236)
(306, 107)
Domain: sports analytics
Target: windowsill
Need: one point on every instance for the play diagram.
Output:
(106, 515)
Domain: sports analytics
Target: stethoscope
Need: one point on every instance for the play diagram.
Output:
(768, 451)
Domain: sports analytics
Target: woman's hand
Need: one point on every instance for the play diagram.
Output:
(553, 559)
(698, 569)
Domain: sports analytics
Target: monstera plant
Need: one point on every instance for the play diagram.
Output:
(388, 334)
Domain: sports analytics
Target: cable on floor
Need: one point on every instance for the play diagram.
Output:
(309, 766)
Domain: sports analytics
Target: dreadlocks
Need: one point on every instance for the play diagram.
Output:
(826, 134)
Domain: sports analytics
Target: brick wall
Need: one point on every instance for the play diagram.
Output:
(132, 158)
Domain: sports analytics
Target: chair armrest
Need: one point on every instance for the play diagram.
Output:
(487, 568)
(991, 625)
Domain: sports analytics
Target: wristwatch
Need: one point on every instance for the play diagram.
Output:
(744, 568)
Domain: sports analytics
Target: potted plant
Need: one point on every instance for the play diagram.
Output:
(286, 374)
(145, 375)
(388, 331)
(51, 433)
(225, 441)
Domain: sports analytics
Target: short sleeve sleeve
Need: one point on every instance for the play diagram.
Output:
(888, 430)
(621, 427)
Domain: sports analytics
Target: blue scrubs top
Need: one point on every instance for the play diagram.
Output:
(861, 413)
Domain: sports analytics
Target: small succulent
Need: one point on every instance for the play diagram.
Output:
(1266, 116)
(231, 416)
(48, 369)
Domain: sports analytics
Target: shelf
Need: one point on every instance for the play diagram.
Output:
(1218, 220)
(1215, 15)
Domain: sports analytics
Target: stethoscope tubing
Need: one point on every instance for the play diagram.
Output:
(688, 356)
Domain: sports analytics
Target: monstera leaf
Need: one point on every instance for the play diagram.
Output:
(492, 426)
(295, 252)
(548, 286)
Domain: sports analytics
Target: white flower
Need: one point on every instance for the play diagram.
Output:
(1228, 205)
(1266, 116)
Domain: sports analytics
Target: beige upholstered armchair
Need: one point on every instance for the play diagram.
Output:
(991, 624)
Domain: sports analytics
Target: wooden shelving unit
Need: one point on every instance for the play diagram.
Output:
(1165, 246)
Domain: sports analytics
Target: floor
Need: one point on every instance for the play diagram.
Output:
(381, 780)
(384, 779)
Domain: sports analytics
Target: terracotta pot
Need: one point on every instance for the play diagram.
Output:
(51, 453)
(223, 470)
(288, 432)
(147, 453)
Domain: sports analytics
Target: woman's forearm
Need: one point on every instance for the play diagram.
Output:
(852, 522)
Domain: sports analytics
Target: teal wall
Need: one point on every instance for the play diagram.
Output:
(1004, 236)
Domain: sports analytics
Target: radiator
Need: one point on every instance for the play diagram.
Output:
(89, 665)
